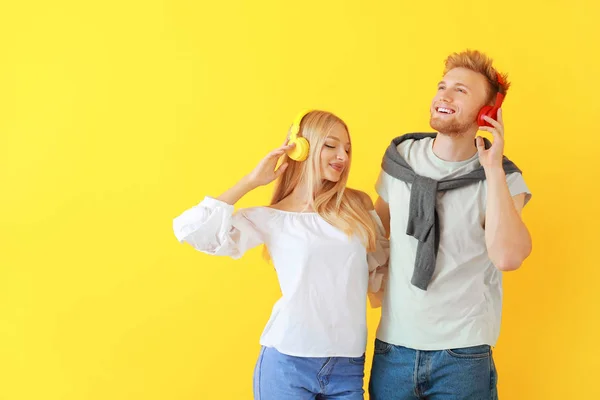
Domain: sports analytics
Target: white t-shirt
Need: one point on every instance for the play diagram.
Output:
(323, 273)
(462, 306)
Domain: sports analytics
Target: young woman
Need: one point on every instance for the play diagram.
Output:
(326, 243)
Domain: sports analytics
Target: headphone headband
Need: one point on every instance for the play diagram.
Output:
(296, 124)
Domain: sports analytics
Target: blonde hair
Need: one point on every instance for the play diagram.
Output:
(342, 207)
(479, 62)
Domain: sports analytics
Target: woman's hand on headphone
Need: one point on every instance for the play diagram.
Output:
(265, 172)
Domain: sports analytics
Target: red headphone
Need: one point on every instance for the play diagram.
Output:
(492, 111)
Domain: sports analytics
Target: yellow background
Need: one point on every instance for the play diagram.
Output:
(116, 116)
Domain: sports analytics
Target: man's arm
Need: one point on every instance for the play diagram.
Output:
(506, 236)
(383, 211)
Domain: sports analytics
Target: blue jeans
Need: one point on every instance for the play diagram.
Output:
(280, 377)
(399, 373)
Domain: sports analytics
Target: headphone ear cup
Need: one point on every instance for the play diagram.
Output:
(487, 110)
(300, 151)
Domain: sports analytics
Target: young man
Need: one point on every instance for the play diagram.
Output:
(451, 203)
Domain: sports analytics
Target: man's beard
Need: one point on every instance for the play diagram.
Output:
(451, 127)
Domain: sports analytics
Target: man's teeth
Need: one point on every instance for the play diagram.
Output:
(445, 110)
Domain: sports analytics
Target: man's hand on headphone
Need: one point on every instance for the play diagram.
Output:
(492, 157)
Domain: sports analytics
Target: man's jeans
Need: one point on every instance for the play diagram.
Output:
(400, 373)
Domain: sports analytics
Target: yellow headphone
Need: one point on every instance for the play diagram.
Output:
(300, 151)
